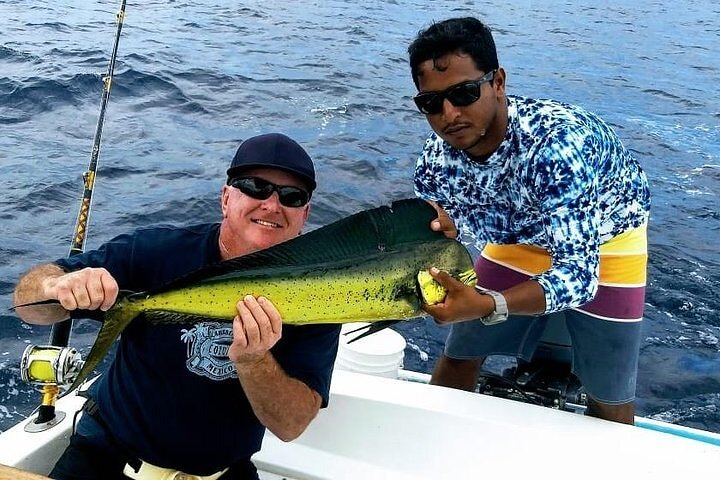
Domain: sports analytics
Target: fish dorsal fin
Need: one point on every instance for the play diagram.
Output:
(357, 236)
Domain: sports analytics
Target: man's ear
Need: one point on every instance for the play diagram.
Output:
(224, 198)
(305, 217)
(499, 82)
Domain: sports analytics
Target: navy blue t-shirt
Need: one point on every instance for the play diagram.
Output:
(171, 396)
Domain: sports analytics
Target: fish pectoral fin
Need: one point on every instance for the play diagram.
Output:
(468, 277)
(370, 329)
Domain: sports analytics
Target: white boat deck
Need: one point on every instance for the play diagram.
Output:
(381, 428)
(387, 429)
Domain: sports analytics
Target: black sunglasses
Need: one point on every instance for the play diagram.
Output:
(460, 95)
(260, 189)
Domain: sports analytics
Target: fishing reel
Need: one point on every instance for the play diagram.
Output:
(50, 365)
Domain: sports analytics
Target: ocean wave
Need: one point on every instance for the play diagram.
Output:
(155, 90)
(36, 95)
(176, 212)
(54, 27)
(13, 55)
(701, 411)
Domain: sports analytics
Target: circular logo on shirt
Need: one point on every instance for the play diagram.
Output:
(207, 350)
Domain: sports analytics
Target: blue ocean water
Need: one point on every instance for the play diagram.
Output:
(195, 78)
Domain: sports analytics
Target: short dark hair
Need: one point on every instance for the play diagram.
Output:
(466, 35)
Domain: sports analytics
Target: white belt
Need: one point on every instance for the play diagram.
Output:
(149, 471)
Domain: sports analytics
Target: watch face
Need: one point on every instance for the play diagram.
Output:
(494, 318)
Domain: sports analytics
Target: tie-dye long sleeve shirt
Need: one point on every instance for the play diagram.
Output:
(561, 180)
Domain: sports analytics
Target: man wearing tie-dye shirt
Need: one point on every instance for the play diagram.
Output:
(555, 202)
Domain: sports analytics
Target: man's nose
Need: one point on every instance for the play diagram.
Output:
(273, 202)
(449, 111)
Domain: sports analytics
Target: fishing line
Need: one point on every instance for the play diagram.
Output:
(60, 333)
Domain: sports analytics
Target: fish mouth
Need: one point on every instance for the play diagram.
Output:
(265, 223)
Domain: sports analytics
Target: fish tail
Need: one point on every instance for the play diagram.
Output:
(115, 321)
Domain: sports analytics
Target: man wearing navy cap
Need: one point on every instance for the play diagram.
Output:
(166, 401)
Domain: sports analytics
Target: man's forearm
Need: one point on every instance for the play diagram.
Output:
(31, 288)
(526, 298)
(285, 405)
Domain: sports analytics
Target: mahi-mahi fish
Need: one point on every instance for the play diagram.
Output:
(371, 267)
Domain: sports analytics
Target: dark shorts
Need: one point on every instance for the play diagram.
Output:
(90, 457)
(83, 460)
(605, 353)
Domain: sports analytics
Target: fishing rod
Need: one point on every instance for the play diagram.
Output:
(56, 364)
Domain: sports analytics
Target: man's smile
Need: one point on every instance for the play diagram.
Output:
(266, 223)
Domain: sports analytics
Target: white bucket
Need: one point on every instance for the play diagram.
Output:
(378, 354)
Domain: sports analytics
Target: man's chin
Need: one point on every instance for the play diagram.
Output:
(462, 144)
(269, 239)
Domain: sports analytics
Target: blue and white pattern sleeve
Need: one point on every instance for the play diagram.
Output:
(566, 189)
(430, 177)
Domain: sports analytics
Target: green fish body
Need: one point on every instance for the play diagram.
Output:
(378, 287)
(361, 268)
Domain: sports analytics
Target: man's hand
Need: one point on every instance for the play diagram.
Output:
(86, 289)
(285, 405)
(256, 328)
(443, 222)
(461, 303)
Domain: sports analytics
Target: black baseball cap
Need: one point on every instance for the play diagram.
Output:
(273, 150)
